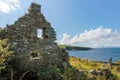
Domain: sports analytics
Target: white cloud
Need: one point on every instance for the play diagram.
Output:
(100, 37)
(8, 5)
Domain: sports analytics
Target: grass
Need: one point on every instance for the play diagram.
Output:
(84, 64)
(89, 65)
(116, 70)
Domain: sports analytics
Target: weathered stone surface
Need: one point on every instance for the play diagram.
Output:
(33, 53)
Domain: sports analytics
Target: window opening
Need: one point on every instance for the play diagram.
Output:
(39, 33)
(34, 55)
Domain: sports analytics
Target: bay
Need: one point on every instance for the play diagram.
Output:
(98, 54)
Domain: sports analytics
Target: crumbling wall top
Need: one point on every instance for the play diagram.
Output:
(34, 8)
(29, 25)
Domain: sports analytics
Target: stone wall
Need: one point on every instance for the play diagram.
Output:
(33, 53)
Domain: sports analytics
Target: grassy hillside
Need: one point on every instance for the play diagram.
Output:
(89, 65)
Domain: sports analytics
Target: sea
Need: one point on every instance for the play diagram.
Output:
(98, 54)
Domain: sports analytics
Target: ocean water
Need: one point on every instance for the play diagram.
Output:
(98, 54)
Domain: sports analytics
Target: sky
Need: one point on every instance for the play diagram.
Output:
(89, 23)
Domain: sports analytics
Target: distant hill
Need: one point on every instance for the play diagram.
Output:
(74, 48)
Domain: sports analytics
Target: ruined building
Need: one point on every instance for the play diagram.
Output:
(33, 40)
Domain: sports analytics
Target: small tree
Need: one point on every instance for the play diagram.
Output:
(4, 51)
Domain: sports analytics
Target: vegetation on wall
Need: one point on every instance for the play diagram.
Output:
(3, 33)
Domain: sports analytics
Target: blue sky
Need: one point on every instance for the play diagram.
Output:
(73, 20)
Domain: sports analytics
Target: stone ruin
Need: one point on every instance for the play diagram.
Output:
(33, 41)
